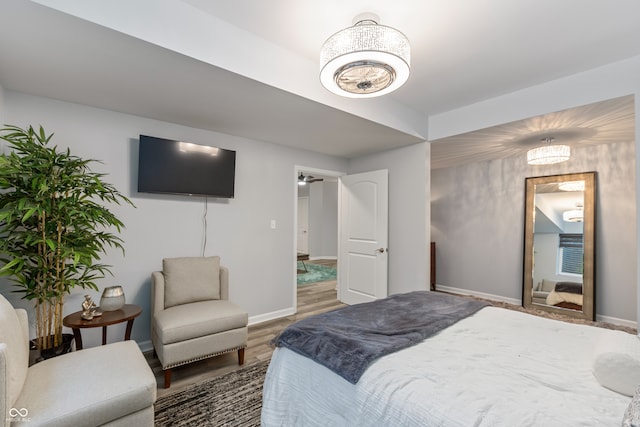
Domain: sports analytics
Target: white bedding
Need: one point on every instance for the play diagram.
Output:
(496, 368)
(557, 297)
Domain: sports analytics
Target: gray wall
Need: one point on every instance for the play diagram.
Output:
(478, 224)
(262, 268)
(606, 82)
(260, 259)
(2, 114)
(409, 213)
(323, 219)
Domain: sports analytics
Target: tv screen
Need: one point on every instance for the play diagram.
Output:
(177, 167)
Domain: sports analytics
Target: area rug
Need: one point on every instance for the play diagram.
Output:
(235, 399)
(315, 273)
(555, 316)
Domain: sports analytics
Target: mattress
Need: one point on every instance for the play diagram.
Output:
(497, 367)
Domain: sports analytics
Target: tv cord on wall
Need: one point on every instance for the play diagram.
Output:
(204, 224)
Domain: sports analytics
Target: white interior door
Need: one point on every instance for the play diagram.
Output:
(303, 225)
(363, 225)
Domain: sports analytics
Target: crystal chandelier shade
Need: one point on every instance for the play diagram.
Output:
(365, 60)
(571, 186)
(548, 154)
(576, 215)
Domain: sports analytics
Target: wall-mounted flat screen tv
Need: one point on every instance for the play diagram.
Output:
(177, 167)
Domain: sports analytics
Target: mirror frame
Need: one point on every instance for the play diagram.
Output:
(588, 276)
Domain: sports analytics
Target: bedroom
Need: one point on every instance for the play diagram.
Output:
(259, 257)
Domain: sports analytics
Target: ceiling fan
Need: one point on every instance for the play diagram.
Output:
(302, 180)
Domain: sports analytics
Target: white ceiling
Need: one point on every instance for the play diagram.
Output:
(463, 52)
(555, 203)
(603, 122)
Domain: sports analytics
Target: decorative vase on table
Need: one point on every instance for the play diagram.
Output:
(112, 298)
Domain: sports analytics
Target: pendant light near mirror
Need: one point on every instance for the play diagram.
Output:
(548, 154)
(365, 60)
(574, 215)
(571, 186)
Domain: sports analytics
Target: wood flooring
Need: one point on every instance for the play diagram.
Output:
(313, 298)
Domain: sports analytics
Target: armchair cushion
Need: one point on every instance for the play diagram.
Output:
(191, 279)
(17, 349)
(185, 322)
(89, 387)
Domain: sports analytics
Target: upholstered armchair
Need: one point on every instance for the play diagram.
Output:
(107, 385)
(192, 317)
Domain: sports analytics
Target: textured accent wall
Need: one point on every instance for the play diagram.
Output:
(477, 221)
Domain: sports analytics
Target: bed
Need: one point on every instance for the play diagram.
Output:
(496, 367)
(559, 294)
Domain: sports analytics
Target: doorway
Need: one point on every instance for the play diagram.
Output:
(316, 238)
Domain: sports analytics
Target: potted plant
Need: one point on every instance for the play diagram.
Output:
(53, 225)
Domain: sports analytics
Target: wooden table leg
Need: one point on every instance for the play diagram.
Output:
(78, 338)
(127, 333)
(104, 335)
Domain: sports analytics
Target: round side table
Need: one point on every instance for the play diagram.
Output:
(127, 313)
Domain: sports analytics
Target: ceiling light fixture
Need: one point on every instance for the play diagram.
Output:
(548, 154)
(575, 215)
(365, 60)
(303, 180)
(571, 186)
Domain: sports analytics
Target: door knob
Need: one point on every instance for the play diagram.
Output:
(380, 250)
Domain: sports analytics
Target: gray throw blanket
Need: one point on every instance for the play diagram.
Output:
(349, 339)
(570, 287)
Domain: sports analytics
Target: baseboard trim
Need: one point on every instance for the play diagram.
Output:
(478, 294)
(599, 318)
(145, 346)
(313, 258)
(261, 318)
(616, 321)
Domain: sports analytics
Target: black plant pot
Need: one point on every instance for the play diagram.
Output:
(40, 355)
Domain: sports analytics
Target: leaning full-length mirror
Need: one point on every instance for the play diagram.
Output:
(559, 244)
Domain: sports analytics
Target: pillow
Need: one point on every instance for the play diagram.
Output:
(616, 363)
(548, 285)
(190, 279)
(632, 414)
(17, 349)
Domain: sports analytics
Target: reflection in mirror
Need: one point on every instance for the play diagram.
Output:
(559, 244)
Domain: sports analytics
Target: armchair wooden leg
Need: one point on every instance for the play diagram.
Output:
(167, 378)
(241, 356)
